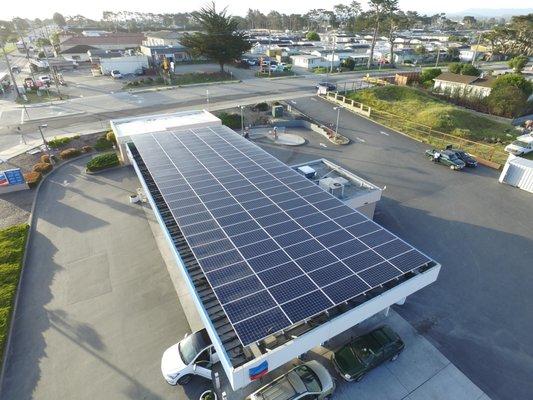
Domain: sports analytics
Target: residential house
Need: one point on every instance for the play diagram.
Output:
(309, 61)
(77, 53)
(162, 38)
(464, 85)
(174, 53)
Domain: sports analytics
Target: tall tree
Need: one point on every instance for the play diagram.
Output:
(395, 20)
(377, 8)
(59, 20)
(219, 38)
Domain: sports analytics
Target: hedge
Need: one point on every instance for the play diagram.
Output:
(69, 153)
(103, 144)
(56, 142)
(42, 167)
(103, 161)
(32, 178)
(230, 120)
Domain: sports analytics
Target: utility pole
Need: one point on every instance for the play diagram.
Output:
(338, 117)
(15, 86)
(242, 120)
(333, 53)
(27, 54)
(41, 127)
(269, 57)
(438, 56)
(477, 46)
(50, 69)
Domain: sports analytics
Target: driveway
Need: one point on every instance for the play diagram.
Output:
(478, 312)
(97, 307)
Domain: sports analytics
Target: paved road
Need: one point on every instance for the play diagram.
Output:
(97, 307)
(478, 312)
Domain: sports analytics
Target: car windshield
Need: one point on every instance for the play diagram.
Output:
(309, 378)
(281, 389)
(192, 345)
(115, 71)
(519, 143)
(453, 157)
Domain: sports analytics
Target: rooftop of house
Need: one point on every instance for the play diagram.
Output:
(80, 48)
(484, 81)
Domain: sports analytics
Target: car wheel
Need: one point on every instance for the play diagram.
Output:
(359, 378)
(184, 380)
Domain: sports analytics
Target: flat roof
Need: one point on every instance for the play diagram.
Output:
(131, 126)
(270, 258)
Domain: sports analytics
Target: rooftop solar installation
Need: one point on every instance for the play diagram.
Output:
(275, 247)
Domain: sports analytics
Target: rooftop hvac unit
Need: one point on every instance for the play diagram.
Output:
(307, 171)
(332, 186)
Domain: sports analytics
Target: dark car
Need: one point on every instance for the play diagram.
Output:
(447, 158)
(328, 85)
(464, 156)
(364, 353)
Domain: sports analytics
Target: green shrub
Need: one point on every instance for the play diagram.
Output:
(312, 36)
(110, 136)
(56, 142)
(69, 153)
(32, 178)
(320, 70)
(103, 144)
(42, 167)
(230, 120)
(103, 161)
(429, 74)
(260, 107)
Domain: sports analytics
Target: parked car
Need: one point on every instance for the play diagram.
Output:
(467, 158)
(139, 72)
(15, 69)
(306, 381)
(193, 355)
(45, 79)
(328, 85)
(522, 145)
(446, 157)
(364, 353)
(116, 74)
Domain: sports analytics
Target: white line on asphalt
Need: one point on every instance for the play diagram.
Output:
(361, 140)
(323, 145)
(293, 102)
(21, 116)
(384, 133)
(312, 98)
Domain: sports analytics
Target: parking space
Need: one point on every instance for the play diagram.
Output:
(97, 307)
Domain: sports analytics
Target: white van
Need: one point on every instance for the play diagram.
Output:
(193, 355)
(522, 145)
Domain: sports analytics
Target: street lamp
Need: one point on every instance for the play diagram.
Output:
(242, 119)
(41, 127)
(338, 116)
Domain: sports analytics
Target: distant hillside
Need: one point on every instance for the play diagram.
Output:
(492, 12)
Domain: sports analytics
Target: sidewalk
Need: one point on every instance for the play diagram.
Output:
(420, 373)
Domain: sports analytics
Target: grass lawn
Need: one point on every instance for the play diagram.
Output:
(12, 241)
(417, 106)
(34, 98)
(181, 79)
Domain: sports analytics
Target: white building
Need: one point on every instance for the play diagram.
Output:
(309, 61)
(464, 85)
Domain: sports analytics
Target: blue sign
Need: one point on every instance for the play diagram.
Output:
(11, 177)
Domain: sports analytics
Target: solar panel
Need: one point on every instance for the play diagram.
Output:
(275, 247)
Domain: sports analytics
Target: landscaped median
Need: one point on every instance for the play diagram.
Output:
(179, 80)
(102, 162)
(12, 244)
(431, 120)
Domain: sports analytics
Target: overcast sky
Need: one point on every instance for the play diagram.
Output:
(93, 8)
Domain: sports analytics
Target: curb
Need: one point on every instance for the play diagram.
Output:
(31, 227)
(161, 88)
(57, 116)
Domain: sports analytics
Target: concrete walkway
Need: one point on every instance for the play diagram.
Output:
(97, 307)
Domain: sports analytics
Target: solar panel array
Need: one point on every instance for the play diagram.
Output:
(275, 247)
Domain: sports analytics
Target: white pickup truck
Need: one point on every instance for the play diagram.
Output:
(522, 145)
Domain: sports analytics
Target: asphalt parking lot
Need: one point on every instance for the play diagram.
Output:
(478, 229)
(94, 316)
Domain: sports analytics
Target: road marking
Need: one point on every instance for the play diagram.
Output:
(21, 116)
(312, 98)
(361, 140)
(323, 145)
(293, 102)
(384, 133)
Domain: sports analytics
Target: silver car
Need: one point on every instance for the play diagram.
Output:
(306, 381)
